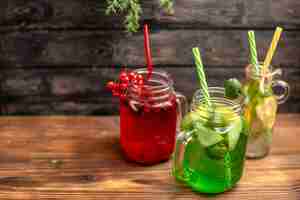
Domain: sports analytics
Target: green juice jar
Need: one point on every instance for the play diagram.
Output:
(210, 149)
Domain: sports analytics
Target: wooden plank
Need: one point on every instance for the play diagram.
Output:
(56, 48)
(56, 91)
(173, 47)
(51, 14)
(219, 48)
(57, 106)
(82, 91)
(100, 106)
(39, 14)
(92, 166)
(233, 14)
(19, 82)
(80, 81)
(58, 82)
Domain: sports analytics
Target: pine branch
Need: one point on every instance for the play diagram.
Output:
(133, 16)
(133, 11)
(167, 5)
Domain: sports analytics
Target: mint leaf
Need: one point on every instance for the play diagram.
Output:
(206, 136)
(217, 151)
(193, 117)
(188, 121)
(234, 133)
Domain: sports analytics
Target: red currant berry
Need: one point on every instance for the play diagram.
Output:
(124, 77)
(125, 80)
(134, 81)
(139, 77)
(140, 82)
(110, 85)
(123, 96)
(123, 86)
(116, 87)
(132, 76)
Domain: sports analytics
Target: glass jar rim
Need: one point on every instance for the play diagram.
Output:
(158, 90)
(164, 84)
(258, 75)
(217, 97)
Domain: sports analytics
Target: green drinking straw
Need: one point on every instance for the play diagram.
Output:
(201, 76)
(253, 52)
(203, 85)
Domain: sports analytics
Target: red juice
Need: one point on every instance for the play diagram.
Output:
(148, 135)
(150, 110)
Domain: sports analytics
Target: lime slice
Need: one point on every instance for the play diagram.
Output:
(266, 111)
(206, 136)
(234, 133)
(257, 128)
(202, 111)
(233, 88)
(226, 112)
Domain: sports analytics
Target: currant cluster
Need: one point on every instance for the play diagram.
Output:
(120, 87)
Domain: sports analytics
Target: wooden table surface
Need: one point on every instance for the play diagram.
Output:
(80, 158)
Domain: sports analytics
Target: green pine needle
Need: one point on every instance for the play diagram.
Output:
(133, 11)
(167, 5)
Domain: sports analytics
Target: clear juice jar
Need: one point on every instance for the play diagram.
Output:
(260, 107)
(149, 117)
(210, 149)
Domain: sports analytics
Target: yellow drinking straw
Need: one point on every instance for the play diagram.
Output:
(269, 56)
(272, 48)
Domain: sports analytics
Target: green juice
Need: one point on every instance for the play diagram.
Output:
(214, 150)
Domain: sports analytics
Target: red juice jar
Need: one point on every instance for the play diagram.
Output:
(149, 117)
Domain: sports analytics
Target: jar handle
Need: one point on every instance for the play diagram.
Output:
(182, 140)
(182, 106)
(281, 98)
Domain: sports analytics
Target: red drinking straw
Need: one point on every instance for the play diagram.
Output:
(147, 50)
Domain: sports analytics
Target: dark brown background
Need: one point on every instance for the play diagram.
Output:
(56, 55)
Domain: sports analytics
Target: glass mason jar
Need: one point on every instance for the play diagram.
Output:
(149, 117)
(260, 107)
(210, 149)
